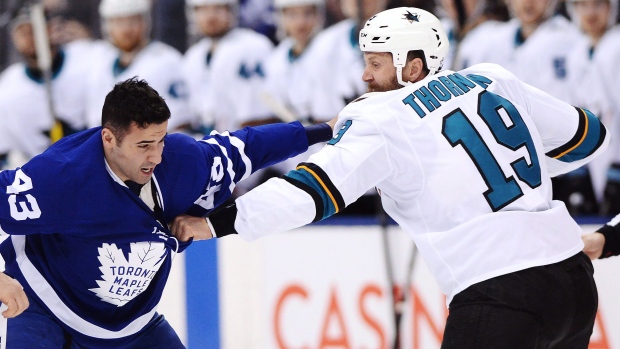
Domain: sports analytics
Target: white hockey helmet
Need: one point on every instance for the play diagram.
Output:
(405, 29)
(280, 4)
(123, 8)
(193, 3)
(611, 20)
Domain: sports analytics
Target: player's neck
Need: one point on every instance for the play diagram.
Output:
(126, 57)
(527, 29)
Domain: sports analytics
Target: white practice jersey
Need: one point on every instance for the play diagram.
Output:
(25, 116)
(462, 162)
(286, 79)
(336, 68)
(607, 59)
(224, 79)
(157, 63)
(539, 61)
(587, 89)
(468, 51)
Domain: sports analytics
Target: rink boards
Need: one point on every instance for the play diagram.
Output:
(324, 287)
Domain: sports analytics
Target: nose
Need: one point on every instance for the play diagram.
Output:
(155, 156)
(367, 76)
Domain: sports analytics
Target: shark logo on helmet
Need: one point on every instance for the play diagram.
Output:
(411, 17)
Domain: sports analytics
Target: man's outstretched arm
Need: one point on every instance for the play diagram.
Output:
(334, 177)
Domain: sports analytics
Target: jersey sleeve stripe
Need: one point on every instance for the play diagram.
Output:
(240, 145)
(229, 166)
(318, 201)
(314, 177)
(588, 138)
(323, 178)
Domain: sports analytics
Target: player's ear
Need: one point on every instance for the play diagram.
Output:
(107, 137)
(414, 71)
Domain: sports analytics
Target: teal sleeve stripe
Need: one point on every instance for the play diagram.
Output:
(308, 179)
(593, 139)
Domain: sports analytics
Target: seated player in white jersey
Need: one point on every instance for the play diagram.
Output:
(88, 220)
(224, 70)
(286, 72)
(32, 116)
(466, 23)
(463, 162)
(587, 87)
(480, 24)
(533, 45)
(128, 52)
(285, 91)
(335, 62)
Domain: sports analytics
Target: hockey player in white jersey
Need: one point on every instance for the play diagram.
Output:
(587, 86)
(468, 24)
(607, 59)
(335, 60)
(128, 52)
(286, 68)
(534, 45)
(463, 162)
(224, 69)
(28, 122)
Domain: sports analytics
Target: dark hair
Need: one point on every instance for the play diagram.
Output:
(132, 101)
(411, 55)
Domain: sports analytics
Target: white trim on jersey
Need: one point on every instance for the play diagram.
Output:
(47, 294)
(237, 143)
(229, 167)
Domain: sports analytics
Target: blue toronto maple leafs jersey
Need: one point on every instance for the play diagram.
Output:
(89, 249)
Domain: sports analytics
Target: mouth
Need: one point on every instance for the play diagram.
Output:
(147, 170)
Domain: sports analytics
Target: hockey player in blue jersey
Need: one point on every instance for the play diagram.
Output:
(88, 219)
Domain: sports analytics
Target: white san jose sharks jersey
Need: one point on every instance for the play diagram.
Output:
(225, 77)
(335, 70)
(25, 116)
(463, 163)
(607, 59)
(540, 60)
(92, 251)
(588, 89)
(286, 79)
(157, 63)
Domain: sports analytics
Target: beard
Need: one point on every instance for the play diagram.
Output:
(384, 87)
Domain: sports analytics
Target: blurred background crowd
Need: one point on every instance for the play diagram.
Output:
(225, 64)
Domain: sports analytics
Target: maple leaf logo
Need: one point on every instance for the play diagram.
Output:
(411, 17)
(124, 279)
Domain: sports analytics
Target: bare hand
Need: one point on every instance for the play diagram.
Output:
(593, 244)
(12, 294)
(186, 227)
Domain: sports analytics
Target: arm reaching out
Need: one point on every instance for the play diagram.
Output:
(12, 294)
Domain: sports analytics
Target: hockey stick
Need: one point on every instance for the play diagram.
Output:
(44, 61)
(396, 294)
(278, 109)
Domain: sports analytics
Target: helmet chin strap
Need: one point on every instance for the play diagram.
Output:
(399, 76)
